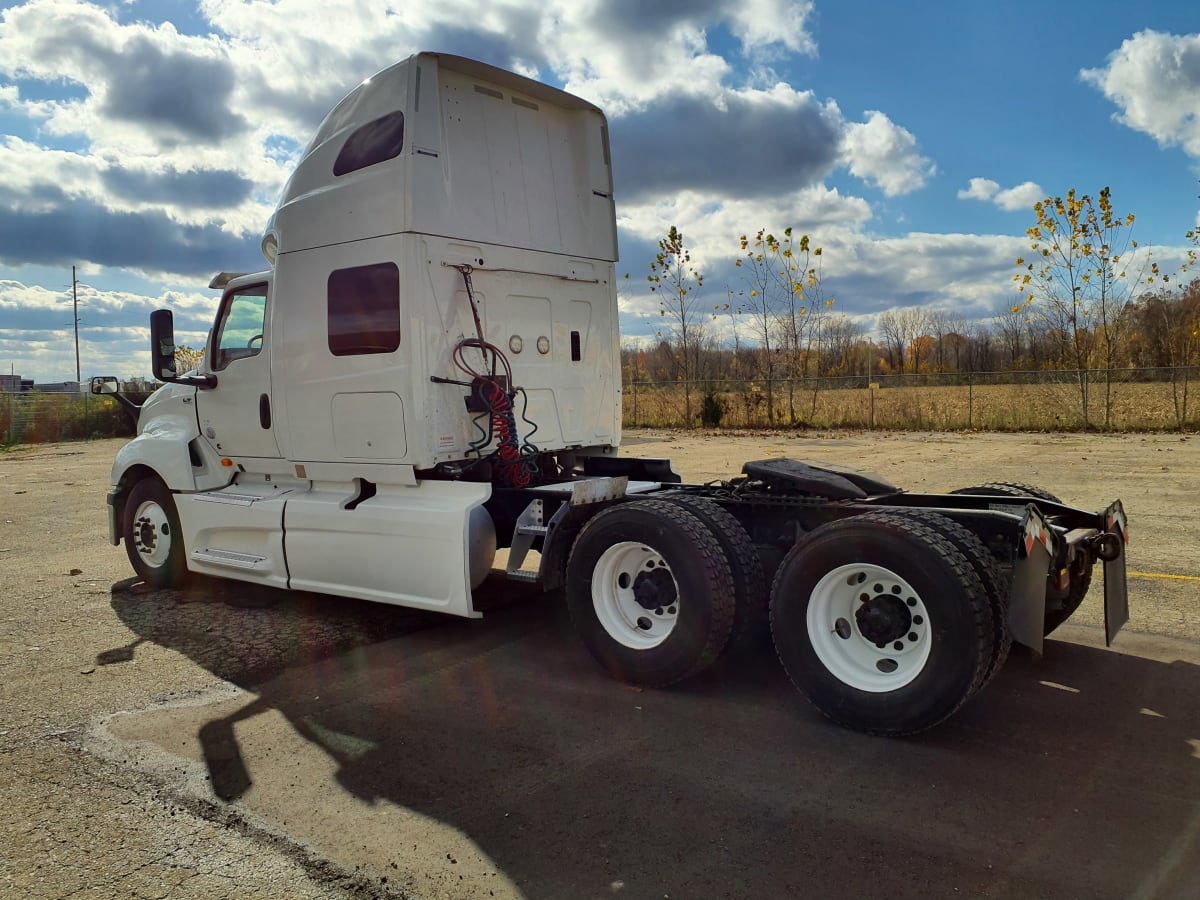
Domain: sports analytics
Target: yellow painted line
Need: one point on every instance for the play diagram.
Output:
(1164, 575)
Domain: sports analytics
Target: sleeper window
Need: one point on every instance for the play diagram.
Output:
(364, 310)
(378, 140)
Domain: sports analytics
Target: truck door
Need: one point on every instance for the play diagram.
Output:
(236, 416)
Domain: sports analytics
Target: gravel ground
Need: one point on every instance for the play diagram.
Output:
(80, 642)
(74, 824)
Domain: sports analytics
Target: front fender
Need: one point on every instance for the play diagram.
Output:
(163, 447)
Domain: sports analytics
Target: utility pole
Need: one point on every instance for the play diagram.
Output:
(75, 302)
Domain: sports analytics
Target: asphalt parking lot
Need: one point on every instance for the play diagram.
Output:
(230, 741)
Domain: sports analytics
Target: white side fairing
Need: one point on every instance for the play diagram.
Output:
(405, 545)
(236, 532)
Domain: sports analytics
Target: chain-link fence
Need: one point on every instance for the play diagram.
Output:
(1112, 399)
(32, 417)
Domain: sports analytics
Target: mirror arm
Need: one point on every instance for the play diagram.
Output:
(204, 382)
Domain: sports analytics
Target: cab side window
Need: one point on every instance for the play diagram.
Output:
(240, 326)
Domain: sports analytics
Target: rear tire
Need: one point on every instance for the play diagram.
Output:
(650, 592)
(882, 623)
(1010, 489)
(985, 566)
(1061, 603)
(749, 582)
(153, 538)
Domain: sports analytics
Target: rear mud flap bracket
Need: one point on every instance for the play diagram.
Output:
(1027, 597)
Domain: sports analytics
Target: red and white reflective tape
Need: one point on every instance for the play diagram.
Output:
(1115, 521)
(1036, 532)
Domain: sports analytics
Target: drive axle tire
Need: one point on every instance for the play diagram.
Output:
(1010, 489)
(749, 582)
(985, 566)
(153, 538)
(650, 591)
(882, 623)
(1061, 603)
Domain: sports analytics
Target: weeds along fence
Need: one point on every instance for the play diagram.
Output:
(36, 418)
(1116, 400)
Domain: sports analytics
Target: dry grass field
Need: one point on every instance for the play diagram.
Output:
(1045, 406)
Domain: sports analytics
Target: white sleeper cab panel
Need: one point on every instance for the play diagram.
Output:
(321, 384)
(369, 425)
(552, 316)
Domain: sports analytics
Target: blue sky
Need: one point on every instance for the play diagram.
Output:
(146, 142)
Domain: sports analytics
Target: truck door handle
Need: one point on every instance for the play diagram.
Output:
(264, 410)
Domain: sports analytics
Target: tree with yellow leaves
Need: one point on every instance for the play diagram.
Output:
(784, 297)
(1082, 276)
(187, 358)
(677, 283)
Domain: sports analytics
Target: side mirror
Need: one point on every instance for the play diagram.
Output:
(104, 384)
(162, 344)
(162, 353)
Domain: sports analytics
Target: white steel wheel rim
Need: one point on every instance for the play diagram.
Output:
(835, 627)
(615, 592)
(152, 533)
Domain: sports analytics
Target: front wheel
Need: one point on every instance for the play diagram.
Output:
(153, 539)
(882, 623)
(650, 592)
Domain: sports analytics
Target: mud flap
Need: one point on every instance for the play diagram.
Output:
(1116, 594)
(1027, 596)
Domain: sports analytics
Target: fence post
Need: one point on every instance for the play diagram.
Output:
(970, 400)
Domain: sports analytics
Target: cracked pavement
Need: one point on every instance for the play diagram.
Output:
(227, 741)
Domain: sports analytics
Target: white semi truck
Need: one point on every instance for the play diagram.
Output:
(429, 371)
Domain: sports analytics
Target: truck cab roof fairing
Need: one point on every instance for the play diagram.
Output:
(537, 176)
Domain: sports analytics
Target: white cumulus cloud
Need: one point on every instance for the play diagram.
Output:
(1023, 196)
(1154, 79)
(886, 155)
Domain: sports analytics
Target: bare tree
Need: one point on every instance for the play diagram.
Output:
(1009, 326)
(915, 324)
(891, 331)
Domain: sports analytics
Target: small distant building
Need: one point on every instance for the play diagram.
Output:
(55, 387)
(14, 384)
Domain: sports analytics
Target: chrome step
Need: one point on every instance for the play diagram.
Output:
(229, 558)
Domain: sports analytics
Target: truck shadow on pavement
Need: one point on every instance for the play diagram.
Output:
(1075, 775)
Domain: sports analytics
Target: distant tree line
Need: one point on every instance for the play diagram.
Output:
(1086, 300)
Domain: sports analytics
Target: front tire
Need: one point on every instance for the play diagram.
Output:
(650, 592)
(153, 538)
(882, 623)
